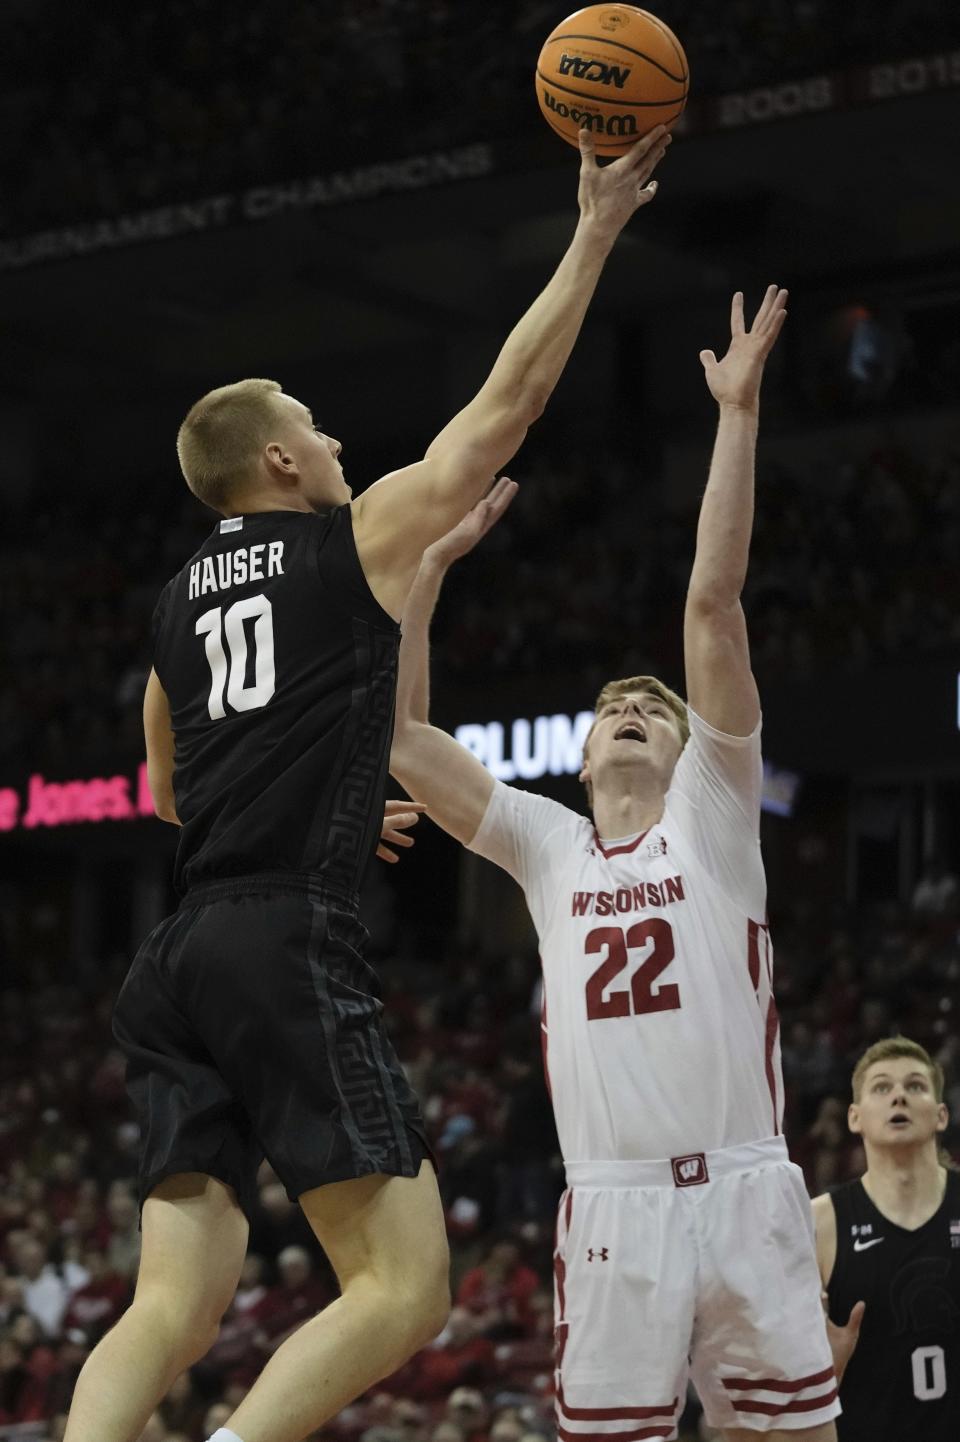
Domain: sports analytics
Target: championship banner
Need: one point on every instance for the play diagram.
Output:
(813, 94)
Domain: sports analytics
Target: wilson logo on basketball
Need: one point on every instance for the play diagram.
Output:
(619, 125)
(597, 70)
(613, 20)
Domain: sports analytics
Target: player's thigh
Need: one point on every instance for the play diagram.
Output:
(387, 1228)
(194, 1242)
(825, 1432)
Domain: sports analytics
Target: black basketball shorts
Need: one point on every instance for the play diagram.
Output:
(251, 1026)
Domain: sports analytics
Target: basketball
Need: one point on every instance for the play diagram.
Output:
(614, 68)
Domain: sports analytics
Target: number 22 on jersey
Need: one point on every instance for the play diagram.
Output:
(231, 676)
(642, 996)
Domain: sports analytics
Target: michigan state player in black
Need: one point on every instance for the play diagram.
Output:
(249, 1018)
(891, 1241)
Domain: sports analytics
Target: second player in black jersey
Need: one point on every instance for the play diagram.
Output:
(250, 1019)
(891, 1241)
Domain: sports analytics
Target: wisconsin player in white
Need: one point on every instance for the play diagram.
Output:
(685, 1237)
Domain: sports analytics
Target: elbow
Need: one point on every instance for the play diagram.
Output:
(716, 599)
(533, 405)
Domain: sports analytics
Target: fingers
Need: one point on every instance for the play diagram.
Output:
(737, 326)
(647, 192)
(650, 148)
(385, 854)
(855, 1320)
(773, 303)
(393, 809)
(398, 821)
(396, 838)
(588, 150)
(708, 360)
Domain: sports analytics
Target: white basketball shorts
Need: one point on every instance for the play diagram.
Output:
(703, 1266)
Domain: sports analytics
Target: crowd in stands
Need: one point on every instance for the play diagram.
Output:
(158, 102)
(467, 1033)
(558, 589)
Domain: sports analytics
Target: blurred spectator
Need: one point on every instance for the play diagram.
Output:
(46, 1288)
(460, 1356)
(97, 1303)
(468, 1410)
(299, 1294)
(123, 1246)
(937, 890)
(498, 1291)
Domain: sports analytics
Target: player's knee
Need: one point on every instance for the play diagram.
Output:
(427, 1305)
(189, 1328)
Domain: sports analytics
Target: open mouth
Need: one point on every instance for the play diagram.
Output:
(632, 731)
(900, 1120)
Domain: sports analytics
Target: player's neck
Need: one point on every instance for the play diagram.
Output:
(626, 813)
(905, 1184)
(261, 501)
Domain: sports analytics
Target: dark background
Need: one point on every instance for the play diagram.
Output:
(818, 152)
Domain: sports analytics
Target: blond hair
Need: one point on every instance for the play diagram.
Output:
(222, 435)
(614, 690)
(889, 1049)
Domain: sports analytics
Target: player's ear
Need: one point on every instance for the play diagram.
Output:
(943, 1117)
(853, 1118)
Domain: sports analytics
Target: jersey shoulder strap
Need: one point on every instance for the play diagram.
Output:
(340, 571)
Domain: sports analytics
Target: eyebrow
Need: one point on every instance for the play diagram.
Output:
(910, 1076)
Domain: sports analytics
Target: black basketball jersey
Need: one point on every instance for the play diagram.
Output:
(903, 1381)
(280, 668)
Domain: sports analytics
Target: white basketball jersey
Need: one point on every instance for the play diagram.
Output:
(661, 1035)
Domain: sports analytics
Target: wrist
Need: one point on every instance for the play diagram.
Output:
(433, 564)
(750, 409)
(597, 236)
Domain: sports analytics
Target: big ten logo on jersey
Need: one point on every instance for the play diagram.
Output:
(955, 1232)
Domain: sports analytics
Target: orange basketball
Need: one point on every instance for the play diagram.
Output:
(614, 68)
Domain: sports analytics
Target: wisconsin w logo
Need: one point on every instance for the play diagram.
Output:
(690, 1171)
(597, 70)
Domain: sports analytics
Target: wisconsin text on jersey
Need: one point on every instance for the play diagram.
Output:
(628, 898)
(236, 568)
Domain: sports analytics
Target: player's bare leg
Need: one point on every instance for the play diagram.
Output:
(825, 1432)
(385, 1239)
(194, 1240)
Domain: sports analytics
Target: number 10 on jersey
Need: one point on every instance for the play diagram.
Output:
(232, 676)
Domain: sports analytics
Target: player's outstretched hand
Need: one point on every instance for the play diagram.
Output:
(843, 1340)
(735, 380)
(475, 524)
(398, 817)
(609, 194)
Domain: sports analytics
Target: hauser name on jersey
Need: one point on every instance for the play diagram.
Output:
(235, 568)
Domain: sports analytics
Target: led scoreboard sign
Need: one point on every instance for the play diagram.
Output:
(524, 749)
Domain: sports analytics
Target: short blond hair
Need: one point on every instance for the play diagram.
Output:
(223, 434)
(614, 690)
(889, 1049)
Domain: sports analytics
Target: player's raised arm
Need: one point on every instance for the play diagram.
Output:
(431, 765)
(720, 684)
(158, 735)
(396, 519)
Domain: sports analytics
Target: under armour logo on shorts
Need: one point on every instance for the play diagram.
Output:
(690, 1171)
(600, 1252)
